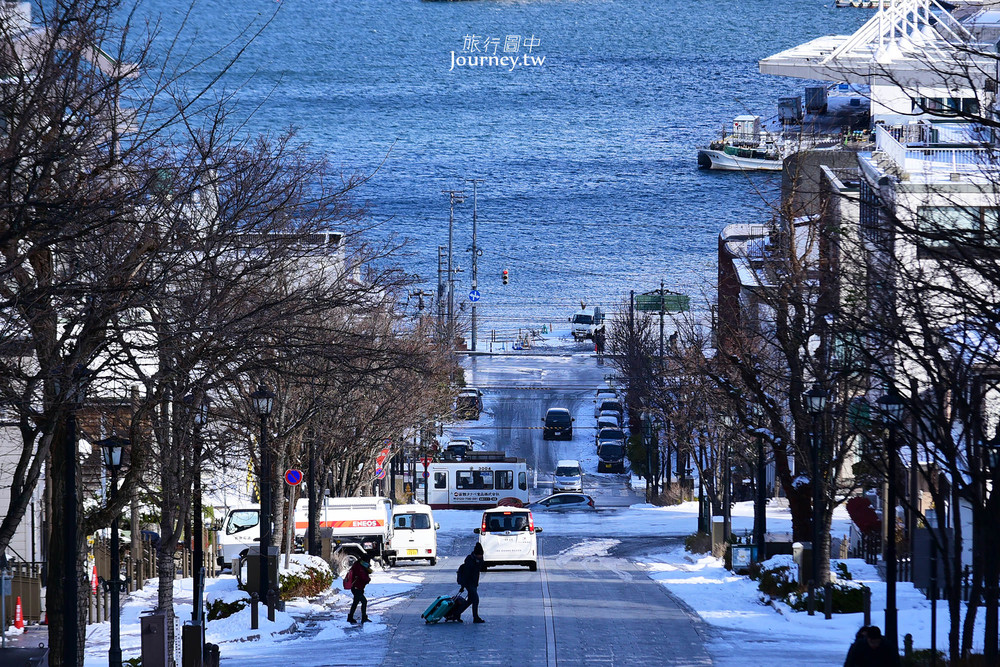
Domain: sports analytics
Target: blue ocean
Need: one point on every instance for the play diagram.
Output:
(581, 117)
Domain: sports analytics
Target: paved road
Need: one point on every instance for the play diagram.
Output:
(577, 609)
(518, 389)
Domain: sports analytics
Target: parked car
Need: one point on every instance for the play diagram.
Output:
(608, 404)
(564, 502)
(610, 456)
(558, 424)
(507, 535)
(606, 392)
(608, 419)
(568, 477)
(616, 434)
(469, 403)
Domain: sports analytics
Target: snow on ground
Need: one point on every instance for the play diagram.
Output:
(233, 633)
(745, 631)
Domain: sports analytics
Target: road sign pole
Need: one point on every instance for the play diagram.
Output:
(475, 256)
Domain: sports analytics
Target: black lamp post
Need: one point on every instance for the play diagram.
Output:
(200, 406)
(647, 436)
(891, 407)
(73, 400)
(727, 518)
(816, 403)
(760, 504)
(262, 401)
(111, 453)
(990, 647)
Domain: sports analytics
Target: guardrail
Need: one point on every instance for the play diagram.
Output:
(918, 159)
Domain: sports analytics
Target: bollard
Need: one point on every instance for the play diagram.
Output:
(867, 597)
(811, 586)
(828, 600)
(907, 645)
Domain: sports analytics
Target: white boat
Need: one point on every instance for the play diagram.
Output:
(747, 148)
(830, 117)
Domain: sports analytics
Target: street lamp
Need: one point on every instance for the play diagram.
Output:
(111, 453)
(72, 400)
(262, 401)
(891, 408)
(815, 400)
(760, 504)
(727, 518)
(199, 406)
(647, 435)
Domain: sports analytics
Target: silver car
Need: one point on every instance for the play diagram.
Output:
(564, 502)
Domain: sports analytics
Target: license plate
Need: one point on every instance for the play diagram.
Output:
(411, 552)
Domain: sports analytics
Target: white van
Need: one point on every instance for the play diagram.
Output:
(414, 533)
(568, 477)
(508, 537)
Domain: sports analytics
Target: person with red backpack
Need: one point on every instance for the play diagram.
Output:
(355, 581)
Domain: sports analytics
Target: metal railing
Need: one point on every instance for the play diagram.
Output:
(917, 159)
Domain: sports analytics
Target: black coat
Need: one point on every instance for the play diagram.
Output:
(863, 655)
(470, 571)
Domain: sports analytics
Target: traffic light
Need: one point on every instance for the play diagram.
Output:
(506, 276)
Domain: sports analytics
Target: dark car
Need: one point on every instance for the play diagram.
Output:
(610, 456)
(558, 424)
(564, 502)
(611, 434)
(469, 403)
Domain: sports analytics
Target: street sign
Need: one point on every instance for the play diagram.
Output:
(668, 303)
(426, 461)
(474, 295)
(293, 476)
(380, 473)
(426, 474)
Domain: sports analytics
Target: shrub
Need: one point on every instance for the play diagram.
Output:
(219, 608)
(843, 572)
(775, 579)
(306, 582)
(848, 598)
(699, 543)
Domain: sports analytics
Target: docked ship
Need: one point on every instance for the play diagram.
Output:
(824, 121)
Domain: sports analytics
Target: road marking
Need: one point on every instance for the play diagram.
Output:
(550, 628)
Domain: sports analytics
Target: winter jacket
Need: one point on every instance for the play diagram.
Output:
(361, 576)
(470, 571)
(863, 655)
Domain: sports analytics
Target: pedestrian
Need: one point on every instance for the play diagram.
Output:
(356, 579)
(470, 569)
(874, 651)
(860, 644)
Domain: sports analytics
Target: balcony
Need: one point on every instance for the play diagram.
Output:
(931, 149)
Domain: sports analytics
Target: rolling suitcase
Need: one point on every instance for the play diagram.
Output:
(459, 604)
(438, 609)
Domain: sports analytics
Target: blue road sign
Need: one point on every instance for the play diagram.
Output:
(474, 295)
(293, 476)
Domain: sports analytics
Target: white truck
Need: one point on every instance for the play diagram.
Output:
(586, 321)
(361, 527)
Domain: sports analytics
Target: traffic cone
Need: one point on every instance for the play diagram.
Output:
(18, 615)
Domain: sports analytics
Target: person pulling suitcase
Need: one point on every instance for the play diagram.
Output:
(468, 579)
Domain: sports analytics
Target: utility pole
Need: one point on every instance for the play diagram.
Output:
(475, 254)
(440, 292)
(454, 197)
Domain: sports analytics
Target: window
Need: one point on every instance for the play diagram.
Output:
(440, 480)
(498, 523)
(944, 228)
(421, 521)
(242, 520)
(474, 479)
(402, 521)
(505, 479)
(522, 481)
